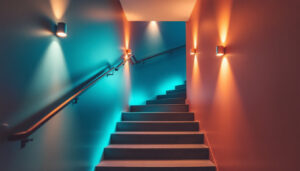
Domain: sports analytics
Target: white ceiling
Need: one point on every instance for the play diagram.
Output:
(158, 10)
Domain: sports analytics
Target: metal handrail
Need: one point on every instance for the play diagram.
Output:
(23, 135)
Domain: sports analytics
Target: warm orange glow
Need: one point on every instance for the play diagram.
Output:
(195, 26)
(59, 7)
(223, 18)
(126, 33)
(193, 52)
(127, 84)
(128, 52)
(227, 102)
(196, 80)
(195, 34)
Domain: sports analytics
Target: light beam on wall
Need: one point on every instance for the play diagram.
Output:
(153, 34)
(227, 101)
(127, 88)
(59, 8)
(51, 77)
(196, 84)
(49, 82)
(126, 33)
(195, 34)
(223, 18)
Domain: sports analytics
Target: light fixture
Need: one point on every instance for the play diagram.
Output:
(128, 52)
(220, 51)
(61, 30)
(194, 52)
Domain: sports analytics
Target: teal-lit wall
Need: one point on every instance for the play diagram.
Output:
(161, 73)
(37, 69)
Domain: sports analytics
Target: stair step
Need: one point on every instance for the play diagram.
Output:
(156, 152)
(160, 108)
(169, 96)
(179, 87)
(176, 92)
(157, 116)
(156, 165)
(167, 101)
(157, 138)
(158, 126)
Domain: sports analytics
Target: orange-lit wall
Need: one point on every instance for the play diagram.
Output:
(248, 101)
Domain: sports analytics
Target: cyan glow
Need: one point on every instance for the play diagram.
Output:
(104, 137)
(169, 84)
(138, 98)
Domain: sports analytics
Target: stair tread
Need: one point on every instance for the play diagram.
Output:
(161, 133)
(156, 163)
(157, 146)
(172, 98)
(159, 121)
(159, 112)
(162, 104)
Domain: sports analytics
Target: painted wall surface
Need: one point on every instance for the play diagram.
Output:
(37, 68)
(248, 101)
(161, 73)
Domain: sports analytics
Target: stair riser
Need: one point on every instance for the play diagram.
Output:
(166, 101)
(156, 169)
(121, 126)
(160, 108)
(183, 95)
(156, 139)
(157, 117)
(176, 92)
(180, 87)
(155, 154)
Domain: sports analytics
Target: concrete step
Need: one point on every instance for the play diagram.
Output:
(167, 101)
(156, 152)
(160, 108)
(176, 92)
(170, 96)
(157, 138)
(156, 165)
(179, 87)
(157, 116)
(158, 126)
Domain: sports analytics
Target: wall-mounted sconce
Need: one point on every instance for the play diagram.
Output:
(128, 56)
(128, 52)
(61, 30)
(220, 51)
(194, 52)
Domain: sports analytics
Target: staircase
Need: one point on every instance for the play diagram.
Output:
(159, 136)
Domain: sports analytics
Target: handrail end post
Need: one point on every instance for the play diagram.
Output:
(23, 142)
